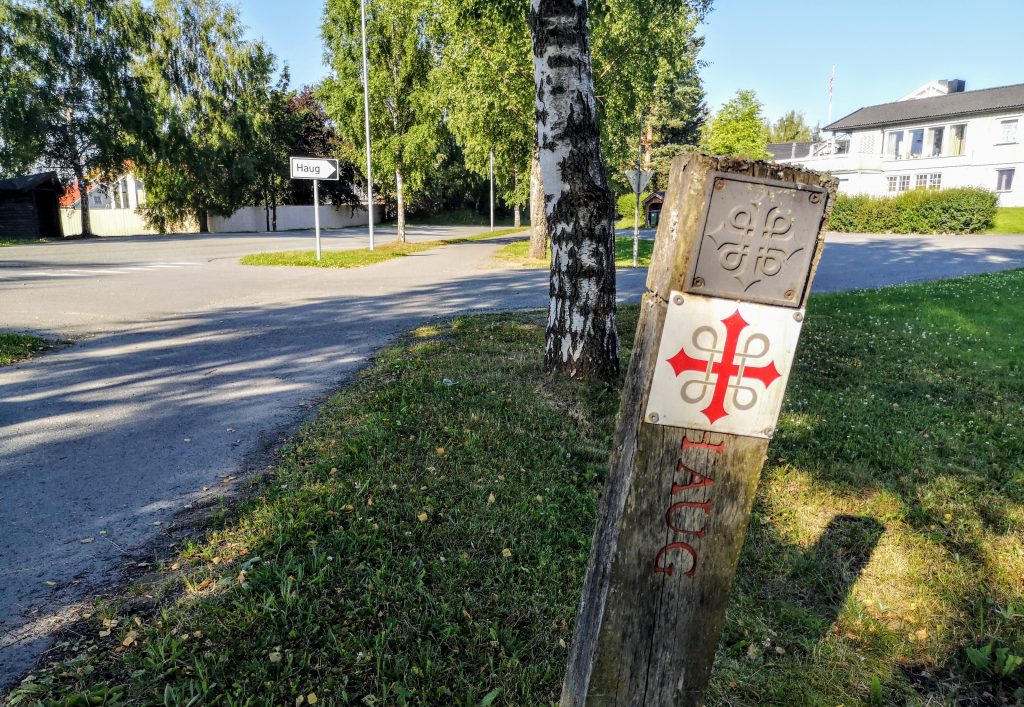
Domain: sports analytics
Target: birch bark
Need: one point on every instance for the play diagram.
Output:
(538, 219)
(582, 340)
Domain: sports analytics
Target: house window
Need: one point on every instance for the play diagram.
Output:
(97, 200)
(935, 181)
(1008, 131)
(921, 181)
(1004, 179)
(916, 142)
(935, 143)
(894, 144)
(956, 139)
(899, 183)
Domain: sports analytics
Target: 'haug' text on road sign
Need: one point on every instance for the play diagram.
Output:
(314, 168)
(722, 365)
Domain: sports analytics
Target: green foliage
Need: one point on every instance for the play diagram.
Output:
(791, 127)
(966, 210)
(405, 121)
(738, 128)
(213, 102)
(998, 663)
(16, 347)
(626, 208)
(68, 96)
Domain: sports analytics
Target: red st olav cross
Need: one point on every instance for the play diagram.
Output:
(726, 369)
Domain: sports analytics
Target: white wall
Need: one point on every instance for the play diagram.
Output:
(254, 218)
(106, 222)
(127, 222)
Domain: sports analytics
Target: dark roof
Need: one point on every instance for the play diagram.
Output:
(30, 182)
(659, 195)
(953, 104)
(790, 150)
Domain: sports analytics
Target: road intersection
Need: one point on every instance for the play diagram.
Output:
(188, 369)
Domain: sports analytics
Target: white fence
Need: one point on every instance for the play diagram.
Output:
(126, 222)
(254, 218)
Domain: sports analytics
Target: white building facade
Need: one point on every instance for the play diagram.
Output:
(937, 137)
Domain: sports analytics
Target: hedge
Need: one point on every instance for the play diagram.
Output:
(967, 210)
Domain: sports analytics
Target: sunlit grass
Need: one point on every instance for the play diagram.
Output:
(424, 540)
(17, 347)
(1009, 219)
(360, 257)
(516, 254)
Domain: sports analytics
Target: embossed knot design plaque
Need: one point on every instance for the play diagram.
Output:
(756, 240)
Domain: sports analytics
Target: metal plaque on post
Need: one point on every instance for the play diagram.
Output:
(756, 240)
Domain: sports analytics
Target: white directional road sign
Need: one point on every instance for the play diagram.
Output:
(314, 168)
(639, 179)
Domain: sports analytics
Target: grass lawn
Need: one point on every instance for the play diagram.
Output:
(360, 257)
(1009, 219)
(4, 243)
(515, 254)
(17, 347)
(424, 541)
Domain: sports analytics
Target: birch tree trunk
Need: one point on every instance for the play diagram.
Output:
(517, 219)
(538, 218)
(400, 206)
(83, 191)
(582, 340)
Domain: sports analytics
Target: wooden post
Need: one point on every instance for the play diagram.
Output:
(678, 496)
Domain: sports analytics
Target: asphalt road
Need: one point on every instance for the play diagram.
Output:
(187, 369)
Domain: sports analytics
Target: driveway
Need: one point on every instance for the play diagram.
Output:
(188, 369)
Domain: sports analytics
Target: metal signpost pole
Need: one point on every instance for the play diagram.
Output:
(492, 189)
(316, 215)
(636, 211)
(366, 116)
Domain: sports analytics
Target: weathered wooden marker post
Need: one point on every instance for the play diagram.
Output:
(737, 247)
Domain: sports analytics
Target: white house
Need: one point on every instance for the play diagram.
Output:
(936, 137)
(126, 192)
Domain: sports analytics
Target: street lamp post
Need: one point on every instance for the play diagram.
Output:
(366, 116)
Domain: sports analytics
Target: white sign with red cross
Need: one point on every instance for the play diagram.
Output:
(723, 365)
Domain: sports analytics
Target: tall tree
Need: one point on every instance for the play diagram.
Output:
(212, 88)
(738, 128)
(317, 137)
(74, 99)
(404, 119)
(791, 127)
(582, 340)
(484, 81)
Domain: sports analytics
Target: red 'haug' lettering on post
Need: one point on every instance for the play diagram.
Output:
(697, 480)
(720, 447)
(703, 505)
(659, 569)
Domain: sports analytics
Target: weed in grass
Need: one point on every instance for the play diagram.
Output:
(885, 540)
(18, 347)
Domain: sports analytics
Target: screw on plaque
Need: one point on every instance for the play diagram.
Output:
(798, 316)
(790, 294)
(815, 197)
(678, 299)
(653, 417)
(698, 282)
(719, 184)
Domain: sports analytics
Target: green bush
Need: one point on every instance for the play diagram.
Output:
(966, 210)
(626, 206)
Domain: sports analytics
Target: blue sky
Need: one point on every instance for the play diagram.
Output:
(782, 49)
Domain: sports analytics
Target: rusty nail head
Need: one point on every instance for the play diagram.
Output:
(678, 299)
(798, 316)
(790, 294)
(719, 184)
(653, 417)
(815, 197)
(698, 282)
